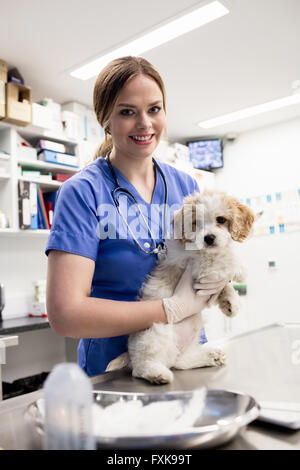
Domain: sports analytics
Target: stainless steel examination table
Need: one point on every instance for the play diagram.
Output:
(264, 363)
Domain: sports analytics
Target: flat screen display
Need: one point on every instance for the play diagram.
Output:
(206, 154)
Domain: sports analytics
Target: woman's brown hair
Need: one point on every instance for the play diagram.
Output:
(108, 85)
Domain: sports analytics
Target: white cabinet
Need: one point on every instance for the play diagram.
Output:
(5, 342)
(11, 165)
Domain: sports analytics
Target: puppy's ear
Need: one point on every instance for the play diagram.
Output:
(241, 221)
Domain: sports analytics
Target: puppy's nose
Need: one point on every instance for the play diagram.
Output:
(209, 239)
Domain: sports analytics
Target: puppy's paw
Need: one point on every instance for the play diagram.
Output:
(155, 373)
(217, 357)
(165, 377)
(229, 307)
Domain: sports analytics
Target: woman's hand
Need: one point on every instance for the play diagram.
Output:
(186, 301)
(209, 283)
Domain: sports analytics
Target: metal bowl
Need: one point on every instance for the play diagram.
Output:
(224, 414)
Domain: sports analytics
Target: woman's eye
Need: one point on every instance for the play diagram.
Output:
(221, 220)
(155, 109)
(126, 112)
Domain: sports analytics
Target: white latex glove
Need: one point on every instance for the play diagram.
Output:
(209, 283)
(186, 301)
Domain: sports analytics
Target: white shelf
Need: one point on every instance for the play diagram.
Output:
(35, 232)
(4, 157)
(41, 132)
(4, 176)
(11, 231)
(41, 165)
(36, 131)
(44, 184)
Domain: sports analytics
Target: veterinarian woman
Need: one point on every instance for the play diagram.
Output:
(95, 265)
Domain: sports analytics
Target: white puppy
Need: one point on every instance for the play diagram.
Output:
(203, 232)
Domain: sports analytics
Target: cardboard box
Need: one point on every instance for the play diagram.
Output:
(2, 99)
(3, 71)
(18, 104)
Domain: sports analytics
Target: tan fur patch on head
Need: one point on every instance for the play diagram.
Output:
(241, 218)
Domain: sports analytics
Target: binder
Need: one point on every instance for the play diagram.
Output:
(43, 211)
(51, 197)
(33, 206)
(24, 205)
(49, 208)
(62, 177)
(41, 223)
(58, 158)
(50, 145)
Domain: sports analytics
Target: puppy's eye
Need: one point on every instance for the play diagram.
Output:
(221, 220)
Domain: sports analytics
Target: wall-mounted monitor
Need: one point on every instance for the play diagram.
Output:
(206, 154)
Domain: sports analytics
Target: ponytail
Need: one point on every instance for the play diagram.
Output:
(105, 147)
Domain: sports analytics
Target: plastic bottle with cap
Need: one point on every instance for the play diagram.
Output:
(68, 409)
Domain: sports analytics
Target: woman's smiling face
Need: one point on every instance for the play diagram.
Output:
(138, 118)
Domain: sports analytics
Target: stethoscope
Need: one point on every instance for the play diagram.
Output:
(160, 248)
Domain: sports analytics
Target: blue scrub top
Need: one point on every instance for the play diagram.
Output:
(86, 223)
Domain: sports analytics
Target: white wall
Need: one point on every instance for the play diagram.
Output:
(22, 261)
(260, 162)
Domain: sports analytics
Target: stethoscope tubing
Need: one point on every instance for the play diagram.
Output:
(154, 249)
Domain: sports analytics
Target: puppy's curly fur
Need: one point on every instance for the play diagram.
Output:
(203, 231)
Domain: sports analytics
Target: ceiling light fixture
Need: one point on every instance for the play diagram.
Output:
(155, 38)
(251, 111)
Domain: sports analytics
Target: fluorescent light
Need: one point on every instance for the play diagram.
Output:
(155, 38)
(252, 111)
